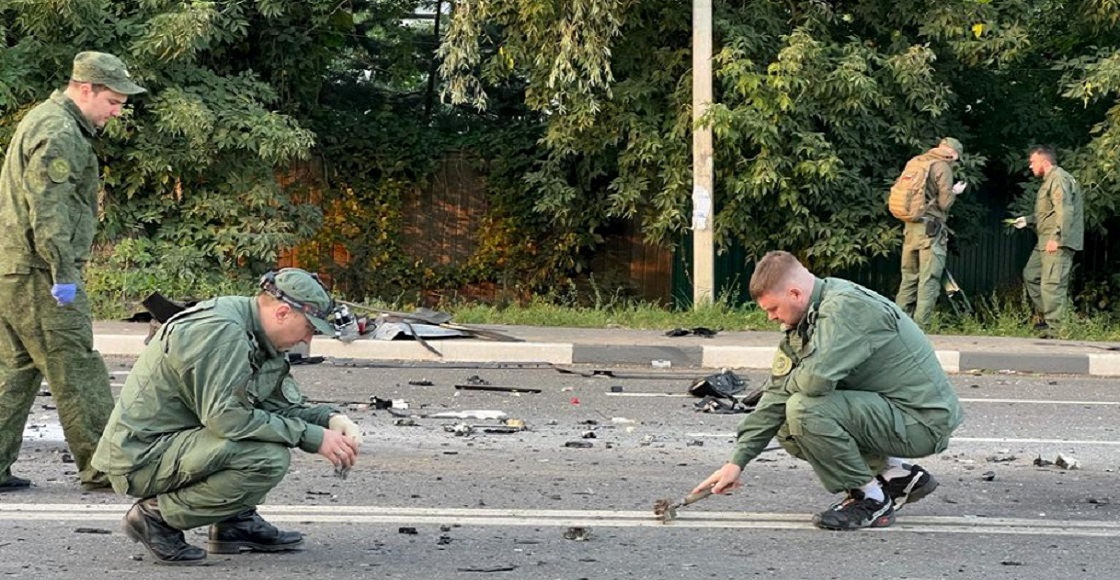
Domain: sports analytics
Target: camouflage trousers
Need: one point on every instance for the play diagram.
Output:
(1046, 277)
(40, 338)
(847, 436)
(202, 478)
(923, 261)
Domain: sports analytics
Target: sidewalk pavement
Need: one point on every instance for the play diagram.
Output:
(616, 346)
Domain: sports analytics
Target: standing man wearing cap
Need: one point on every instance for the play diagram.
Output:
(925, 242)
(1059, 221)
(48, 215)
(203, 427)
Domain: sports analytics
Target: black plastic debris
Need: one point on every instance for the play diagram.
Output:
(494, 388)
(579, 444)
(723, 393)
(408, 531)
(701, 331)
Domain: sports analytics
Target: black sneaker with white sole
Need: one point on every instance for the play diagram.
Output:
(856, 511)
(909, 488)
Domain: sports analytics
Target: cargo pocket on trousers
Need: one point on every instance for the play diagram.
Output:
(64, 331)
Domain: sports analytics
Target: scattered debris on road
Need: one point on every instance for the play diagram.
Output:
(577, 534)
(1064, 462)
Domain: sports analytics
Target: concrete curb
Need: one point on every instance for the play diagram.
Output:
(708, 356)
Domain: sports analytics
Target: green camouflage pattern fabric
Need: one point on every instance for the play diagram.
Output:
(1058, 216)
(1059, 210)
(48, 201)
(207, 416)
(855, 382)
(923, 256)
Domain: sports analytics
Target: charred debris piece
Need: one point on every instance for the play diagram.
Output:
(724, 393)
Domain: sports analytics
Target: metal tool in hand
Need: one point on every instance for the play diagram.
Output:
(666, 509)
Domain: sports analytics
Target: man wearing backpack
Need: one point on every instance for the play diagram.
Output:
(921, 198)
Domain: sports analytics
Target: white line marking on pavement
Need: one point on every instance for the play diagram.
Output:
(1039, 402)
(965, 439)
(1021, 401)
(373, 515)
(1027, 441)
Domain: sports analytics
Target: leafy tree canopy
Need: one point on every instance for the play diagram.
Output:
(817, 106)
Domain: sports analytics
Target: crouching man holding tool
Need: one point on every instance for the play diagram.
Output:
(205, 422)
(855, 385)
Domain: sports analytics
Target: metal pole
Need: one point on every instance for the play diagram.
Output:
(703, 184)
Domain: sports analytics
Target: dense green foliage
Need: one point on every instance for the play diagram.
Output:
(312, 124)
(817, 105)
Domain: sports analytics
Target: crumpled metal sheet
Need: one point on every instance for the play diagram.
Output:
(401, 331)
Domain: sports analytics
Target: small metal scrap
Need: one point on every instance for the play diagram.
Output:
(666, 509)
(577, 534)
(91, 531)
(341, 472)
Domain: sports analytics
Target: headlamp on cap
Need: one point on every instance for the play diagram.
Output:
(338, 315)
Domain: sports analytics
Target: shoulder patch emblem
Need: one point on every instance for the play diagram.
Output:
(782, 365)
(58, 170)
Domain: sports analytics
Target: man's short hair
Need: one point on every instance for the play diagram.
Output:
(773, 269)
(1047, 152)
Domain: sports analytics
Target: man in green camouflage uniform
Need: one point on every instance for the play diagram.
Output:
(48, 215)
(855, 386)
(924, 243)
(1059, 221)
(203, 427)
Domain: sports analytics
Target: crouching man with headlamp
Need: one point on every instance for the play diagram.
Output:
(205, 422)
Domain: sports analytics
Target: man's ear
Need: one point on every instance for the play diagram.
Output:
(282, 311)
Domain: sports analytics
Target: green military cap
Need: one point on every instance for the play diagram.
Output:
(952, 144)
(101, 68)
(307, 294)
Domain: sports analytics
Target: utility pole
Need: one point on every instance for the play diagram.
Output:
(703, 173)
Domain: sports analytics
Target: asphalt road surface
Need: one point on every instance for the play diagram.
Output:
(426, 502)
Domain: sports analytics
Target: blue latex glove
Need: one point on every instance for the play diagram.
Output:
(64, 293)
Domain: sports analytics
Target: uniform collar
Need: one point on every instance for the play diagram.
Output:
(71, 107)
(258, 330)
(815, 298)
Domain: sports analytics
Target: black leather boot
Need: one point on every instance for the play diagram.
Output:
(249, 531)
(143, 523)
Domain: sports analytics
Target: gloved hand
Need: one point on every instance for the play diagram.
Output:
(342, 424)
(958, 187)
(1020, 222)
(64, 293)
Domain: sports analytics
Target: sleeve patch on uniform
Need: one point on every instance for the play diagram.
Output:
(58, 170)
(782, 365)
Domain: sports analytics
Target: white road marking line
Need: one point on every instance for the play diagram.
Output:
(965, 439)
(1020, 401)
(1040, 402)
(372, 515)
(1028, 441)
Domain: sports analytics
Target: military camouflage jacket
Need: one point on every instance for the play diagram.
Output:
(1059, 210)
(48, 192)
(210, 367)
(851, 339)
(939, 184)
